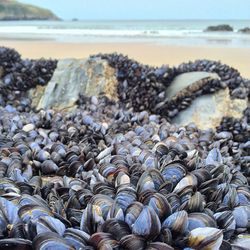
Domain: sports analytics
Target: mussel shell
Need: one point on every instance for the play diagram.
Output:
(77, 238)
(159, 246)
(132, 242)
(173, 172)
(8, 213)
(117, 228)
(15, 244)
(196, 203)
(205, 238)
(29, 212)
(242, 216)
(49, 224)
(177, 222)
(50, 240)
(92, 219)
(49, 167)
(199, 220)
(102, 239)
(242, 242)
(160, 205)
(147, 224)
(187, 181)
(132, 213)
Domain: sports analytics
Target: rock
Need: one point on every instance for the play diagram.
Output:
(221, 27)
(36, 94)
(28, 127)
(90, 77)
(207, 111)
(245, 30)
(187, 80)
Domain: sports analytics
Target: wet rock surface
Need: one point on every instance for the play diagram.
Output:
(111, 175)
(188, 80)
(73, 77)
(207, 111)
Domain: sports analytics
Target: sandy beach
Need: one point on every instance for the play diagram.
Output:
(147, 53)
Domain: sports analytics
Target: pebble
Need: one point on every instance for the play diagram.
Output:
(28, 127)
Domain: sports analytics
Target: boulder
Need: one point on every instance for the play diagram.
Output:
(186, 80)
(207, 111)
(221, 27)
(90, 77)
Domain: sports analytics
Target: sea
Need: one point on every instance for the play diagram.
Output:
(172, 32)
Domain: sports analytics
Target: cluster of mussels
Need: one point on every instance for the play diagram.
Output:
(106, 177)
(18, 75)
(143, 87)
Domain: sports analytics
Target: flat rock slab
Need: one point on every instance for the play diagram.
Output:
(184, 80)
(207, 111)
(90, 77)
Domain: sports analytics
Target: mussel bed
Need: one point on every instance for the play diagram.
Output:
(120, 175)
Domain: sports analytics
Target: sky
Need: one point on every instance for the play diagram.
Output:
(147, 9)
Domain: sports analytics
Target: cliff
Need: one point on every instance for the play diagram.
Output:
(14, 10)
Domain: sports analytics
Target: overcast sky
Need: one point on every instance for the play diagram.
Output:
(147, 9)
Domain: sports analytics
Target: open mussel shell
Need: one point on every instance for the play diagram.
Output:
(205, 238)
(15, 244)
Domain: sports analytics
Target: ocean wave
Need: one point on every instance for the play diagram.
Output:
(176, 33)
(113, 32)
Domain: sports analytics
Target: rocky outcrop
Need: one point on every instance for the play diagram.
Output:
(207, 111)
(188, 80)
(13, 10)
(73, 77)
(245, 30)
(221, 27)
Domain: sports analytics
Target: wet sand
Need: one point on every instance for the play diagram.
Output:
(147, 53)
